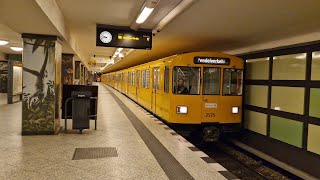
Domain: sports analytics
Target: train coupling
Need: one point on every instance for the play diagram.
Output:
(211, 134)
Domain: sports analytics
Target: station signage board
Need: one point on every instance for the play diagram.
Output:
(211, 60)
(125, 38)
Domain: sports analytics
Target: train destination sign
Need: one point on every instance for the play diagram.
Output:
(112, 37)
(211, 60)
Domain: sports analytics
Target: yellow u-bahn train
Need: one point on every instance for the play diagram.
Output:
(192, 91)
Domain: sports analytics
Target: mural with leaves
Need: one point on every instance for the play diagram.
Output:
(67, 68)
(38, 104)
(3, 76)
(82, 74)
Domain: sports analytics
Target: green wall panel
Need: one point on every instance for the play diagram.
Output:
(256, 95)
(314, 102)
(256, 122)
(315, 71)
(288, 99)
(257, 69)
(313, 139)
(289, 67)
(286, 130)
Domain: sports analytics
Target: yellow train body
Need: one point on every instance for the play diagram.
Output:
(159, 95)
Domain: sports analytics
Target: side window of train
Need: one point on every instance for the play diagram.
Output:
(147, 78)
(129, 77)
(132, 78)
(143, 78)
(166, 79)
(138, 78)
(186, 80)
(211, 81)
(232, 82)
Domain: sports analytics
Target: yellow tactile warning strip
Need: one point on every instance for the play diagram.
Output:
(172, 168)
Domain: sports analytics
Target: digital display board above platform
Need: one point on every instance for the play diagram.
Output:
(211, 60)
(111, 37)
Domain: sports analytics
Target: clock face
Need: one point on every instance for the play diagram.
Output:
(105, 37)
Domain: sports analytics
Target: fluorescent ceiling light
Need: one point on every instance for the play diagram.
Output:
(3, 42)
(16, 48)
(144, 15)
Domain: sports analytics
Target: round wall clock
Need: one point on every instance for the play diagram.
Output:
(105, 36)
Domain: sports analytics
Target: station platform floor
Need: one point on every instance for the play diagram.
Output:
(134, 144)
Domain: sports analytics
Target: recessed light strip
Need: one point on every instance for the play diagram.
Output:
(3, 42)
(144, 15)
(16, 48)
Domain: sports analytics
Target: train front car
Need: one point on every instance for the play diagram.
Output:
(207, 93)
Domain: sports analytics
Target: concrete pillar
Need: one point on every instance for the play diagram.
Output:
(42, 84)
(67, 69)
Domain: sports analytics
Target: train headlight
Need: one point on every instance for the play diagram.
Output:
(235, 110)
(182, 109)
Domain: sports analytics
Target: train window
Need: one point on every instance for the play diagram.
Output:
(186, 80)
(132, 78)
(147, 77)
(143, 78)
(137, 78)
(156, 78)
(129, 77)
(211, 81)
(232, 81)
(166, 79)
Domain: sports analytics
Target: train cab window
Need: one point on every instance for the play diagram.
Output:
(232, 81)
(211, 81)
(166, 79)
(186, 80)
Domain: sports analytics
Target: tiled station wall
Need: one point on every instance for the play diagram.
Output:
(282, 96)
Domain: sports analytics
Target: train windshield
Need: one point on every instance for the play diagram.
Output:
(186, 80)
(232, 81)
(211, 81)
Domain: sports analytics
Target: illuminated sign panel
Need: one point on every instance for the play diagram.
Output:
(211, 60)
(110, 37)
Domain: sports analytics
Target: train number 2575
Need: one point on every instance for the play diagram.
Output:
(210, 115)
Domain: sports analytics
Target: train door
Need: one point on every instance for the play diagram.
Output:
(155, 88)
(137, 84)
(210, 93)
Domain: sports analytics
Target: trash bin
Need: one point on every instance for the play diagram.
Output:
(81, 110)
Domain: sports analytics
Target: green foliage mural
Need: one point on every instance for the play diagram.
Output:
(38, 105)
(67, 69)
(3, 76)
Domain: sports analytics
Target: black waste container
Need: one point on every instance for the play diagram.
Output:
(81, 109)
